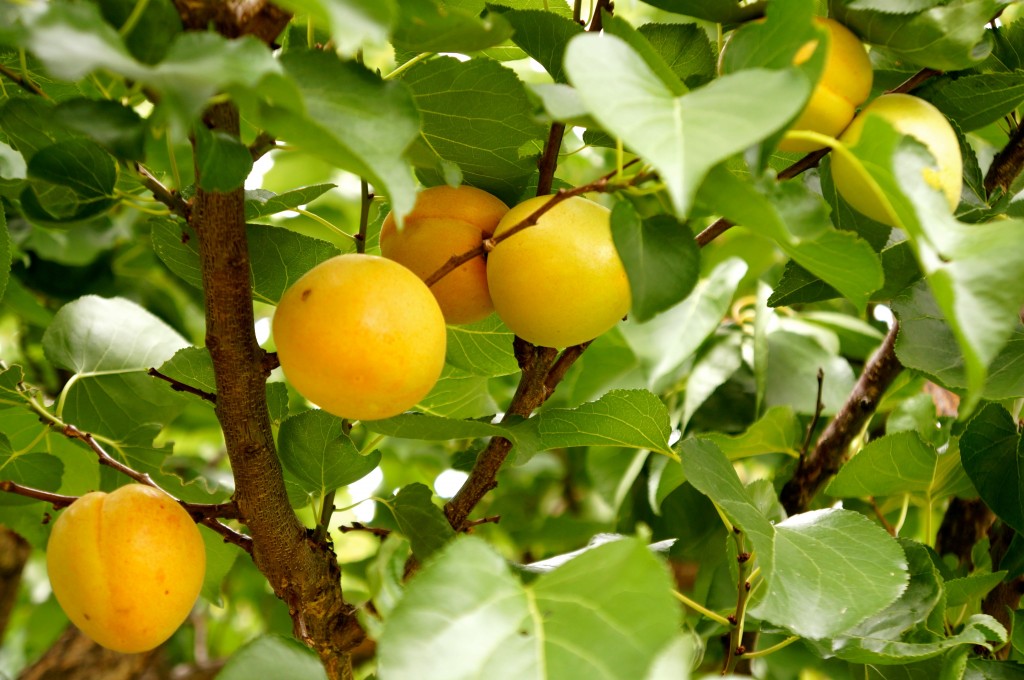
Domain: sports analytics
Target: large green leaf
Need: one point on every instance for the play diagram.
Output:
(824, 571)
(476, 114)
(976, 100)
(630, 418)
(72, 180)
(661, 259)
(947, 37)
(992, 452)
(718, 11)
(154, 26)
(35, 470)
(542, 35)
(797, 220)
(927, 343)
(222, 161)
(273, 656)
(318, 453)
(262, 203)
(663, 343)
(900, 463)
(792, 374)
(777, 431)
(435, 26)
(346, 115)
(108, 344)
(607, 613)
(483, 348)
(683, 137)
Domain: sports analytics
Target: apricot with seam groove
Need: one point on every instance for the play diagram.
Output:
(361, 336)
(911, 116)
(447, 221)
(559, 282)
(844, 85)
(126, 567)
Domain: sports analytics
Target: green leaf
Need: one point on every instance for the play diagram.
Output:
(262, 203)
(344, 114)
(793, 363)
(273, 656)
(607, 613)
(35, 470)
(154, 27)
(976, 100)
(979, 629)
(117, 128)
(629, 418)
(318, 453)
(928, 344)
(435, 428)
(353, 23)
(192, 366)
(710, 371)
(619, 27)
(220, 558)
(458, 394)
(797, 219)
(108, 344)
(30, 125)
(992, 452)
(476, 114)
(825, 571)
(949, 37)
(971, 588)
(483, 348)
(683, 137)
(278, 257)
(661, 258)
(542, 35)
(222, 161)
(896, 464)
(434, 26)
(663, 343)
(777, 431)
(422, 522)
(685, 48)
(72, 180)
(716, 11)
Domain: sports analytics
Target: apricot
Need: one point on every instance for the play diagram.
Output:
(361, 336)
(844, 85)
(447, 221)
(910, 116)
(126, 567)
(560, 282)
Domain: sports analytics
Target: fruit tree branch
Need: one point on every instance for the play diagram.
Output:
(303, 573)
(22, 82)
(1007, 164)
(179, 386)
(169, 197)
(831, 450)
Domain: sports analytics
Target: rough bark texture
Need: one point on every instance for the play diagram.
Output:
(831, 450)
(1007, 164)
(14, 552)
(302, 572)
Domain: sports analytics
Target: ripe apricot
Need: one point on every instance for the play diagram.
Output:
(560, 282)
(360, 336)
(127, 566)
(844, 85)
(922, 121)
(447, 221)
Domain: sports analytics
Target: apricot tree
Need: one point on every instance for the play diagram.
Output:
(797, 456)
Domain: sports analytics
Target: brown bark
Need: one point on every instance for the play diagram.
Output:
(965, 523)
(831, 450)
(14, 552)
(302, 572)
(1007, 164)
(76, 657)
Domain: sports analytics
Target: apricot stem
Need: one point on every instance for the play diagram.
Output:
(696, 606)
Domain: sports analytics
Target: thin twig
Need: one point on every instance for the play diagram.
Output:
(262, 145)
(493, 519)
(359, 526)
(818, 407)
(365, 201)
(55, 499)
(548, 162)
(23, 83)
(179, 386)
(881, 517)
(169, 197)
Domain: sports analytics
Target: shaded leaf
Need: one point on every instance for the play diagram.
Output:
(992, 452)
(222, 161)
(422, 522)
(273, 656)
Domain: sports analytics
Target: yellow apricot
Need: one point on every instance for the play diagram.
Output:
(360, 336)
(560, 282)
(844, 85)
(910, 116)
(126, 567)
(445, 222)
